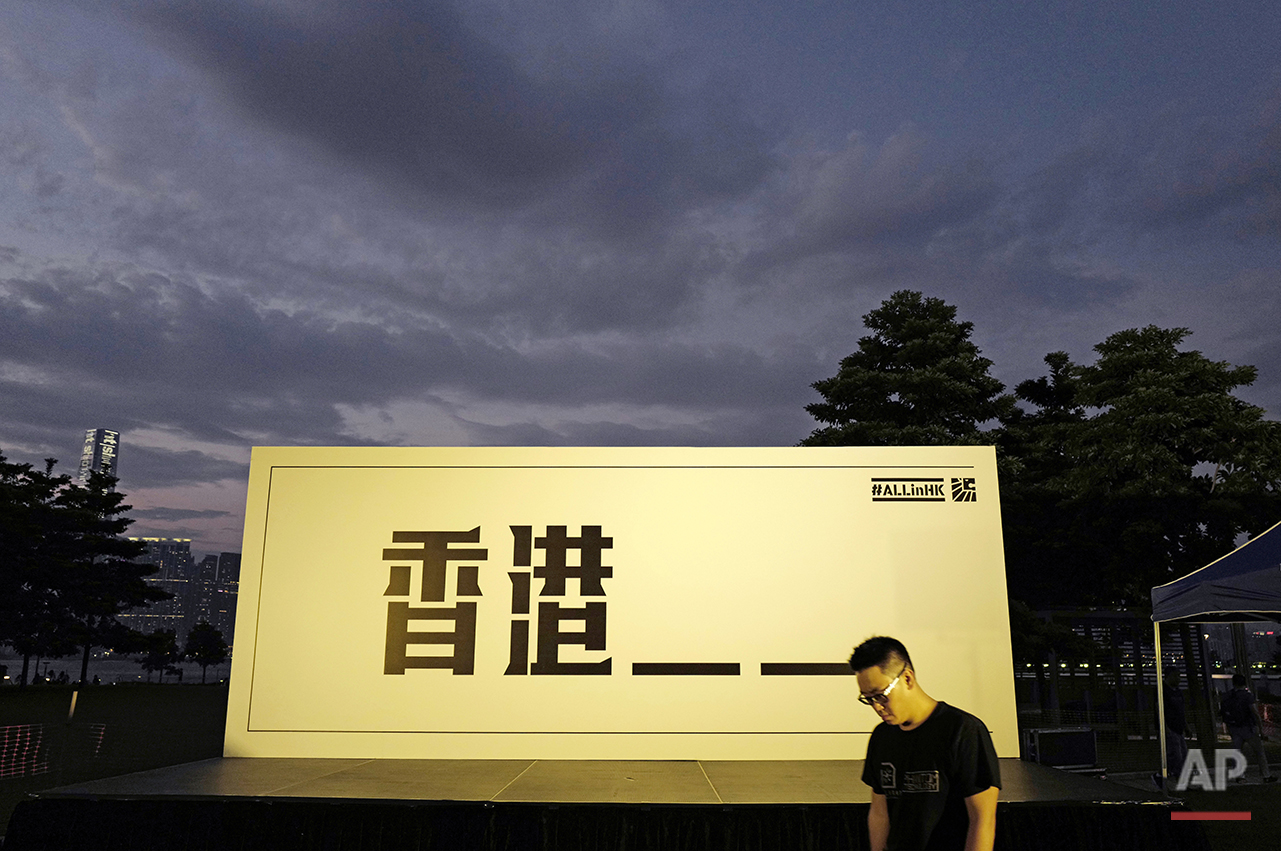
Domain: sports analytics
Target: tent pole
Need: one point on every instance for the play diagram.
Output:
(1160, 704)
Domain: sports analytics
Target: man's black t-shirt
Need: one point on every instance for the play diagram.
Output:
(927, 773)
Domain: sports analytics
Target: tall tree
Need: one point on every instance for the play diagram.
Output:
(917, 379)
(1136, 470)
(205, 646)
(1035, 460)
(32, 617)
(99, 578)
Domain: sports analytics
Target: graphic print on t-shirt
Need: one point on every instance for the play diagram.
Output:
(921, 781)
(887, 775)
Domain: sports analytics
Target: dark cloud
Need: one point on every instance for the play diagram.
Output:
(1038, 270)
(22, 147)
(780, 426)
(1196, 173)
(400, 87)
(1051, 198)
(405, 91)
(150, 467)
(589, 434)
(606, 234)
(174, 514)
(142, 350)
(885, 202)
(363, 221)
(161, 529)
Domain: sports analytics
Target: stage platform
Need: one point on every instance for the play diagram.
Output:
(553, 804)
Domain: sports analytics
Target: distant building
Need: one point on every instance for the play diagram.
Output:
(224, 601)
(172, 557)
(204, 588)
(101, 452)
(229, 569)
(204, 591)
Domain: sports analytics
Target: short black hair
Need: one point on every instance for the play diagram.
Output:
(879, 651)
(1238, 680)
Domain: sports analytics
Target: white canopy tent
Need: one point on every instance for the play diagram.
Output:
(1240, 587)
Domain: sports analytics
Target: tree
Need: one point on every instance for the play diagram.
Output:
(160, 653)
(1034, 640)
(1133, 471)
(100, 578)
(32, 617)
(205, 646)
(67, 570)
(917, 379)
(1034, 462)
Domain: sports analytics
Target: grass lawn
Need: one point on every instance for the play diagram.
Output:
(116, 730)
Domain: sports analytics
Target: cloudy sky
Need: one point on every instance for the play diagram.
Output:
(228, 223)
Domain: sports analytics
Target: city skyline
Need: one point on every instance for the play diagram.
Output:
(402, 222)
(203, 590)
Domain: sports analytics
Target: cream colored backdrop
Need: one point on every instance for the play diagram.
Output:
(726, 556)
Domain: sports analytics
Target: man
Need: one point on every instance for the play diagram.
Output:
(932, 768)
(1241, 717)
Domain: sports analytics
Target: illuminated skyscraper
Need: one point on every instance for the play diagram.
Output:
(101, 452)
(224, 608)
(204, 589)
(173, 558)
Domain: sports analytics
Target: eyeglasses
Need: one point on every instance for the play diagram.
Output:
(883, 697)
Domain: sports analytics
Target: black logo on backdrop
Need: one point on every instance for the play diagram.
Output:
(963, 491)
(908, 490)
(923, 490)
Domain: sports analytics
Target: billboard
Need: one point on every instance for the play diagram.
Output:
(609, 603)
